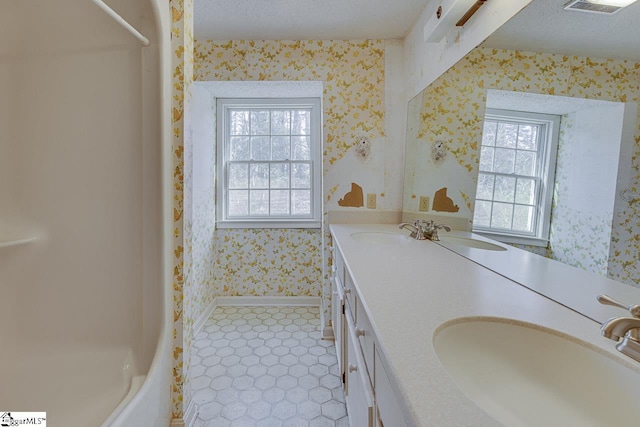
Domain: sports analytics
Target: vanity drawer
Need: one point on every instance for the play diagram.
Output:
(364, 333)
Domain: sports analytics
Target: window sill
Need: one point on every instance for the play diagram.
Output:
(518, 240)
(308, 224)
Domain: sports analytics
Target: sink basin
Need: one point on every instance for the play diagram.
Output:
(380, 237)
(524, 375)
(470, 243)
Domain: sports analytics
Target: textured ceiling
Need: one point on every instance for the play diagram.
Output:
(305, 19)
(544, 26)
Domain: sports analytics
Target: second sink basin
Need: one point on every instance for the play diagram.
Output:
(470, 243)
(524, 375)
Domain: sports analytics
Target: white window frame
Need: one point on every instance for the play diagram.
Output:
(223, 106)
(546, 164)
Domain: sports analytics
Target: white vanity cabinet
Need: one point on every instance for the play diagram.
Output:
(371, 401)
(389, 412)
(337, 310)
(358, 390)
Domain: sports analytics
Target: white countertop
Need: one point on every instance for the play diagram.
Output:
(410, 289)
(567, 285)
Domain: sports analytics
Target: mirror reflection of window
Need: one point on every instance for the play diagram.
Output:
(515, 180)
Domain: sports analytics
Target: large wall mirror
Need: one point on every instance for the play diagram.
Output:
(469, 160)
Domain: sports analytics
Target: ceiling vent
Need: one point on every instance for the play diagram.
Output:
(594, 7)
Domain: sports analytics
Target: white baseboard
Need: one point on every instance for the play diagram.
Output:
(240, 301)
(191, 413)
(268, 301)
(327, 333)
(202, 319)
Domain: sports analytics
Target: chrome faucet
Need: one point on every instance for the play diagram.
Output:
(624, 330)
(415, 228)
(430, 230)
(424, 230)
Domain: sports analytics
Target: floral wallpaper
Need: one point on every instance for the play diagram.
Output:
(198, 229)
(285, 261)
(577, 237)
(451, 110)
(182, 66)
(267, 262)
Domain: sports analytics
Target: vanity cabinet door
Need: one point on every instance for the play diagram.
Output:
(338, 263)
(358, 392)
(388, 409)
(364, 333)
(349, 295)
(338, 323)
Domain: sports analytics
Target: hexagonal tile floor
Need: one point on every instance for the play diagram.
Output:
(266, 366)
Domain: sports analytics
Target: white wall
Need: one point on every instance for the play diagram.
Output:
(597, 133)
(585, 187)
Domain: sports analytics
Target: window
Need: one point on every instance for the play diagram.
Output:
(515, 180)
(270, 163)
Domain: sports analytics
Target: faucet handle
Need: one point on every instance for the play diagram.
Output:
(607, 300)
(442, 227)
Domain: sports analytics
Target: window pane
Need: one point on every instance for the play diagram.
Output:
(507, 135)
(486, 158)
(280, 148)
(279, 202)
(267, 169)
(238, 203)
(301, 122)
(259, 175)
(526, 191)
(280, 122)
(260, 148)
(482, 214)
(501, 215)
(523, 218)
(528, 137)
(485, 186)
(239, 123)
(504, 160)
(260, 123)
(300, 202)
(259, 202)
(505, 189)
(301, 148)
(301, 176)
(526, 163)
(279, 175)
(489, 132)
(239, 148)
(238, 175)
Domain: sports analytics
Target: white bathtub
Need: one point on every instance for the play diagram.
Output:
(76, 385)
(85, 213)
